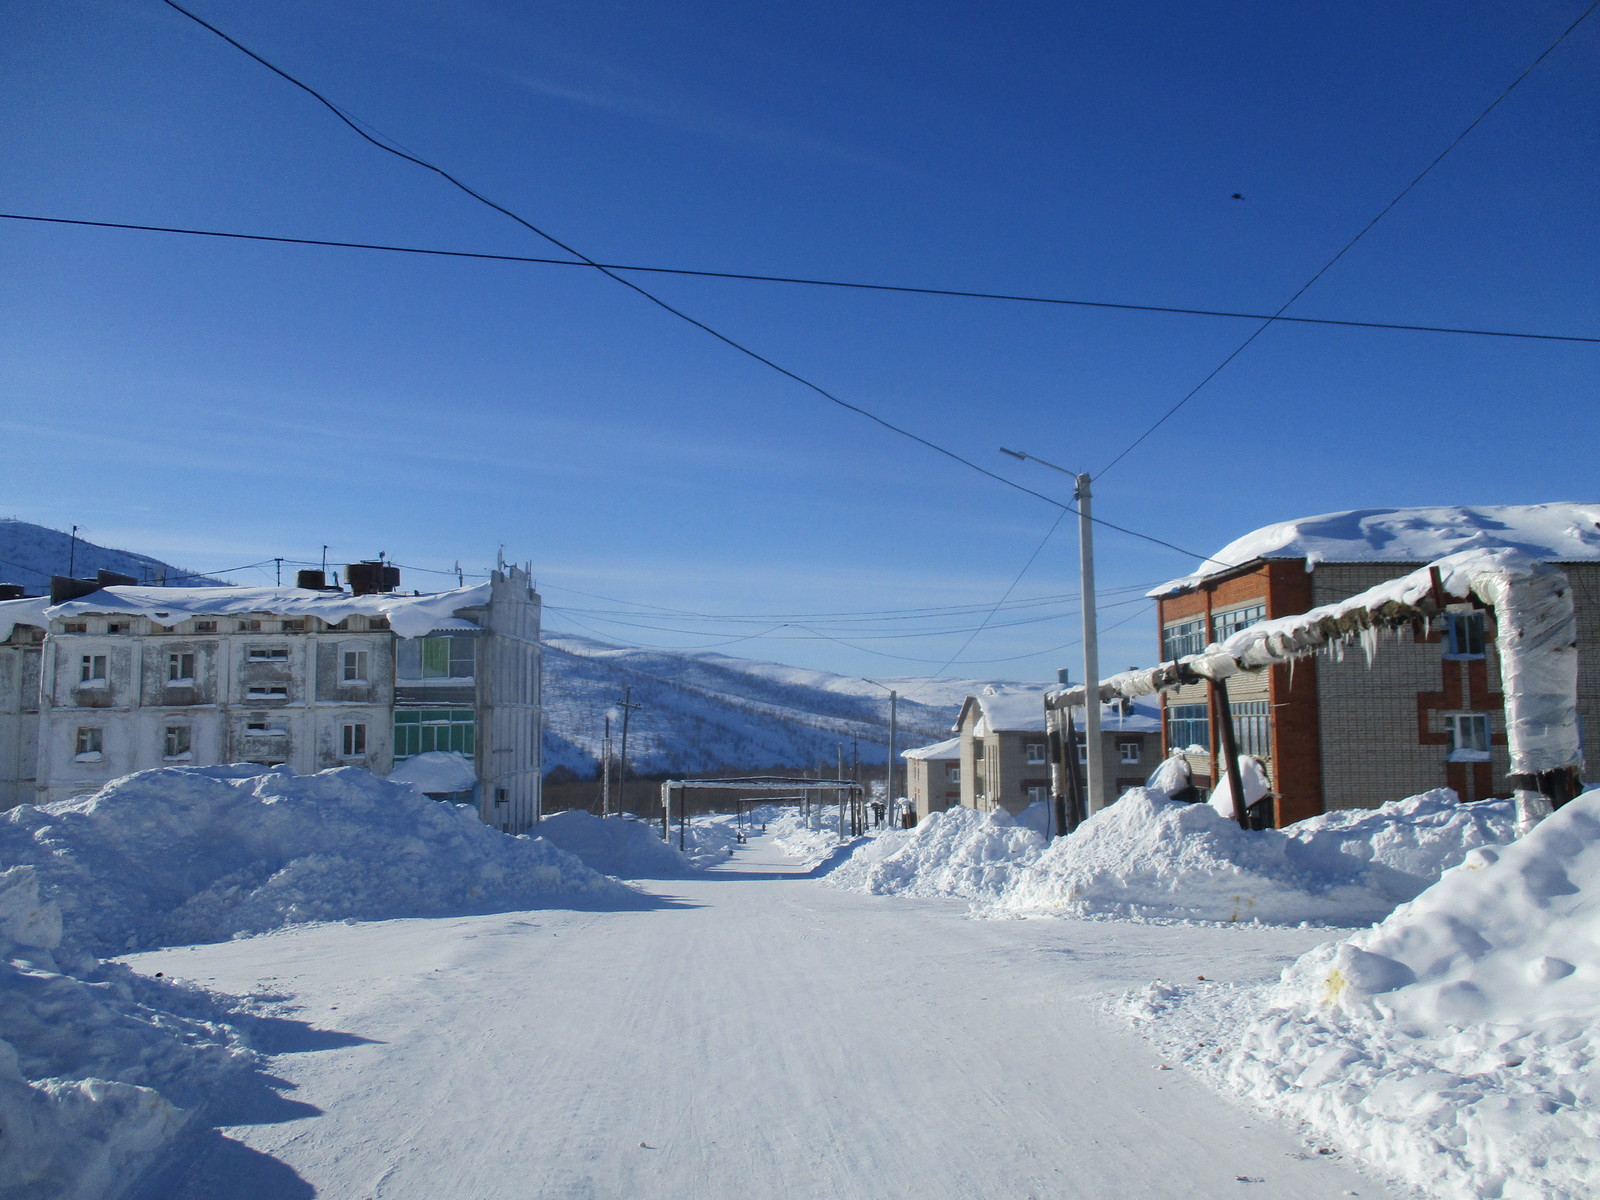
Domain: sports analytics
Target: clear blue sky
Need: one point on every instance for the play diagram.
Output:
(216, 403)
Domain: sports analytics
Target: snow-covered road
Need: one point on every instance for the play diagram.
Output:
(755, 1034)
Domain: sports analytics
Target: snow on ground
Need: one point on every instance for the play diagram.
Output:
(753, 1035)
(1149, 856)
(627, 847)
(178, 855)
(954, 853)
(1456, 1044)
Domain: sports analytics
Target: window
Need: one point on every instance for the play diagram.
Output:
(1189, 725)
(180, 666)
(1083, 750)
(1252, 727)
(294, 625)
(419, 730)
(1035, 752)
(377, 622)
(267, 691)
(354, 669)
(1037, 794)
(1463, 634)
(75, 627)
(89, 742)
(1185, 637)
(1231, 622)
(249, 625)
(205, 626)
(177, 742)
(355, 740)
(92, 669)
(450, 656)
(117, 627)
(267, 654)
(953, 771)
(1468, 735)
(1129, 752)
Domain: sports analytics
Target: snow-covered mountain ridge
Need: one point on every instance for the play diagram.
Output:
(30, 554)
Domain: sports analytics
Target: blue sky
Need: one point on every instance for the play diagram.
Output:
(218, 403)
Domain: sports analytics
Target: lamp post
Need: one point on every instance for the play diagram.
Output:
(1093, 755)
(888, 789)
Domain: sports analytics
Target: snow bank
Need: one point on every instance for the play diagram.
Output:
(1149, 856)
(618, 846)
(1457, 1043)
(181, 855)
(99, 1067)
(958, 852)
(812, 840)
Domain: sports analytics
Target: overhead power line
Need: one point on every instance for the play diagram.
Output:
(609, 273)
(1361, 233)
(848, 284)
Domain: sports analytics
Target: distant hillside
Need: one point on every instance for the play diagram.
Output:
(30, 554)
(704, 712)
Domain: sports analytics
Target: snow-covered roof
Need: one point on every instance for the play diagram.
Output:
(409, 616)
(1019, 711)
(1143, 716)
(29, 610)
(949, 748)
(1554, 532)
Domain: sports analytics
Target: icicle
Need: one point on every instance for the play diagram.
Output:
(1369, 643)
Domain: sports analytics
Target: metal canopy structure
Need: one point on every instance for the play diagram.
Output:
(844, 790)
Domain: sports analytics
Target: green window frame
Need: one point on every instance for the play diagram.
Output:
(422, 730)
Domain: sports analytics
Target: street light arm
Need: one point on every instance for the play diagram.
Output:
(1021, 457)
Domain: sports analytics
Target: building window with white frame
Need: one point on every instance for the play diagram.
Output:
(177, 742)
(267, 654)
(92, 670)
(1183, 637)
(180, 666)
(1226, 624)
(354, 739)
(1129, 752)
(89, 743)
(1189, 725)
(1035, 753)
(353, 668)
(1464, 635)
(1038, 793)
(953, 772)
(267, 691)
(1468, 737)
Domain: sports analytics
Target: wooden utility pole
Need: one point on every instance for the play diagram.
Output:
(622, 767)
(605, 770)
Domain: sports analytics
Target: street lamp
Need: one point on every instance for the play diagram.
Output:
(1091, 639)
(888, 790)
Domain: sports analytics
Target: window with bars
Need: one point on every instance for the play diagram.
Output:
(1189, 725)
(1184, 637)
(1468, 737)
(421, 730)
(1252, 726)
(1231, 622)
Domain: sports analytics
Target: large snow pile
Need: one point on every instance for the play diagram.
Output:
(1149, 856)
(810, 837)
(958, 852)
(1456, 1044)
(180, 855)
(622, 846)
(99, 1066)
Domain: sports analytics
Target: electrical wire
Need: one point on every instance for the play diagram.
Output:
(746, 276)
(1365, 229)
(350, 122)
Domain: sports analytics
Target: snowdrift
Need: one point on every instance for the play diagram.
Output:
(1149, 856)
(98, 1066)
(958, 852)
(620, 846)
(181, 855)
(1457, 1043)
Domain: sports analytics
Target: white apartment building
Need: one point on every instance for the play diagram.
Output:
(131, 678)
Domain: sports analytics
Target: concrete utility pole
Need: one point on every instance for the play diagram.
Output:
(888, 799)
(605, 770)
(622, 767)
(1094, 799)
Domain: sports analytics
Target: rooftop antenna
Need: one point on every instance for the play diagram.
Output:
(461, 577)
(324, 560)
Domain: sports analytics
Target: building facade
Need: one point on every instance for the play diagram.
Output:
(1337, 733)
(137, 677)
(933, 776)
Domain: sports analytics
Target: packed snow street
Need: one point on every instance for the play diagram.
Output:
(753, 1033)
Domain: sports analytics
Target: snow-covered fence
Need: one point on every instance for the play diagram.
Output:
(1537, 639)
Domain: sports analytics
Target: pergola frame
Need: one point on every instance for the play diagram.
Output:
(844, 789)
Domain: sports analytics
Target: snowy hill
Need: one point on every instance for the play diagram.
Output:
(30, 554)
(702, 712)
